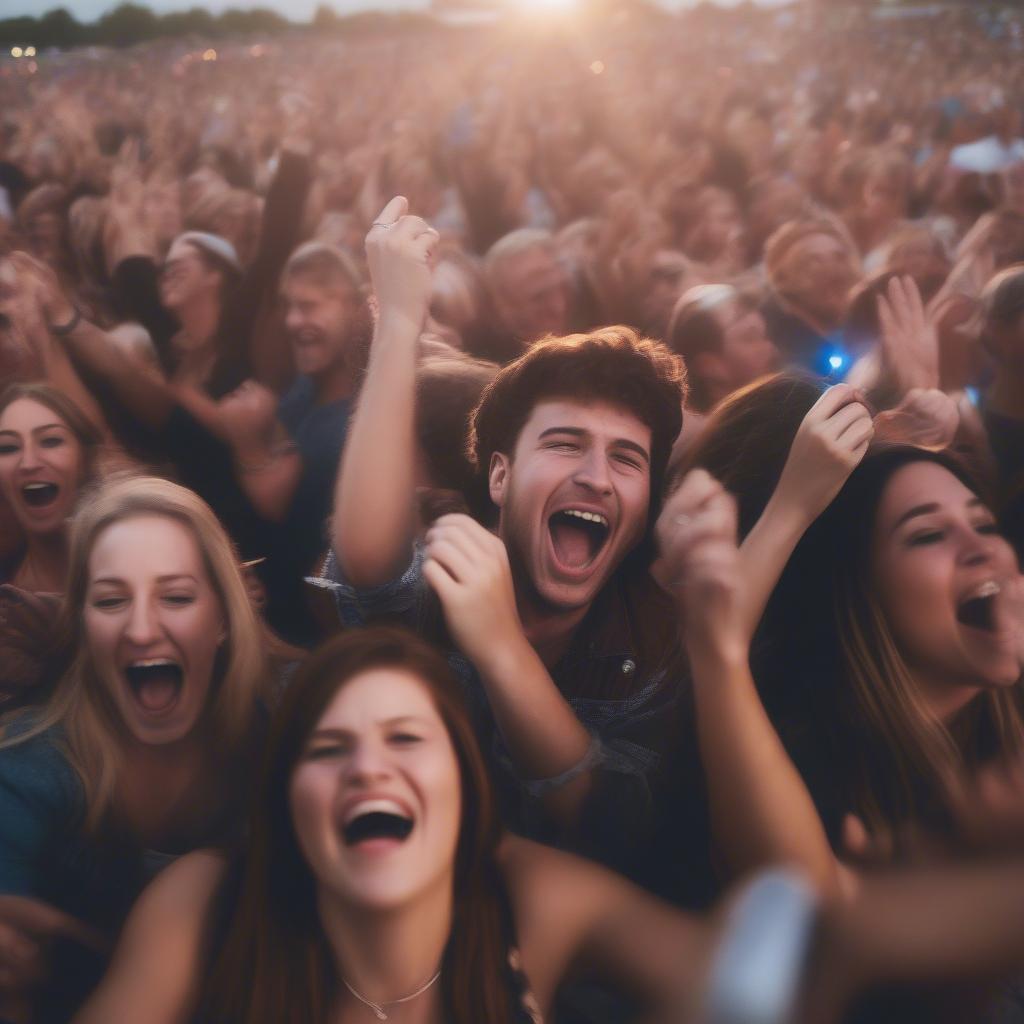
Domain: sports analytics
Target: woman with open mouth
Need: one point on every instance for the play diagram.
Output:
(375, 883)
(891, 653)
(48, 451)
(141, 751)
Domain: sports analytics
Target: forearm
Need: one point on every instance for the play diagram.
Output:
(374, 508)
(269, 479)
(765, 552)
(543, 736)
(761, 811)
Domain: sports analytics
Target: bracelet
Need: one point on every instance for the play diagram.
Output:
(63, 330)
(594, 754)
(277, 452)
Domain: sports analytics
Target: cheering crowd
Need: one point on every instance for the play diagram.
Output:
(516, 523)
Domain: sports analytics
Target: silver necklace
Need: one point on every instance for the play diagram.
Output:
(378, 1008)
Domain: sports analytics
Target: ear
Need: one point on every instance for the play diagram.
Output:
(497, 477)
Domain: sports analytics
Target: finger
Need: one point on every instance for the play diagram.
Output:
(392, 213)
(16, 947)
(912, 296)
(455, 562)
(858, 434)
(478, 535)
(697, 487)
(42, 920)
(457, 537)
(843, 418)
(829, 402)
(887, 320)
(440, 580)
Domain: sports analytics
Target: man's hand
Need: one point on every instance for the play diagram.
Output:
(699, 560)
(247, 418)
(399, 249)
(910, 343)
(828, 446)
(468, 568)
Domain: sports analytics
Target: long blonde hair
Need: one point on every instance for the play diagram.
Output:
(80, 708)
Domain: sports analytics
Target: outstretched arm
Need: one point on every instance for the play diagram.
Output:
(374, 501)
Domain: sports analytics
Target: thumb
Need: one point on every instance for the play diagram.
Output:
(397, 208)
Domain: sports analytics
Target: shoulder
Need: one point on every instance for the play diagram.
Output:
(37, 765)
(157, 966)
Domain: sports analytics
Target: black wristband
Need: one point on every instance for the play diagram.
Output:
(62, 330)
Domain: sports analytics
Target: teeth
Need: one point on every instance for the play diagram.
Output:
(590, 517)
(152, 662)
(987, 589)
(375, 806)
(37, 486)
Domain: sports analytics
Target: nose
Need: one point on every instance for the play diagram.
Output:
(29, 457)
(143, 627)
(977, 548)
(368, 762)
(592, 472)
(293, 321)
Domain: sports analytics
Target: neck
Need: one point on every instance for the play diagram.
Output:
(945, 698)
(549, 632)
(45, 565)
(334, 383)
(386, 956)
(198, 321)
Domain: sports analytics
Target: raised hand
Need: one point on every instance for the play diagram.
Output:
(247, 418)
(468, 568)
(927, 418)
(910, 343)
(830, 443)
(699, 560)
(399, 249)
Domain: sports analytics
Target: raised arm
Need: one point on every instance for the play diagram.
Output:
(374, 502)
(468, 568)
(761, 811)
(830, 443)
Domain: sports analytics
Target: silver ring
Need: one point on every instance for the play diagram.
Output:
(381, 224)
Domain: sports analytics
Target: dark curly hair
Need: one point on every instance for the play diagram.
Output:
(613, 365)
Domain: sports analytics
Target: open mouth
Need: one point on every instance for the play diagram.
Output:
(375, 820)
(978, 609)
(155, 684)
(39, 495)
(577, 536)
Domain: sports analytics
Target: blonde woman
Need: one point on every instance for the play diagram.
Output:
(141, 751)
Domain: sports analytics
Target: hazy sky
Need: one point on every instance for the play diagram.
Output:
(88, 10)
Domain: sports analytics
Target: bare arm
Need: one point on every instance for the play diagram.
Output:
(156, 969)
(761, 811)
(828, 446)
(374, 501)
(569, 910)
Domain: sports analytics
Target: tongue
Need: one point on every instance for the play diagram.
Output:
(572, 544)
(157, 693)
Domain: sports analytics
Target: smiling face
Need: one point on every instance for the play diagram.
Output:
(316, 318)
(41, 466)
(941, 574)
(153, 624)
(376, 794)
(574, 498)
(187, 278)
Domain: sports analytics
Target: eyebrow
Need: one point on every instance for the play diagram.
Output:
(928, 509)
(36, 430)
(169, 578)
(619, 442)
(387, 722)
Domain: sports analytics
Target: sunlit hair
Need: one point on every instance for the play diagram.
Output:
(613, 365)
(80, 706)
(271, 960)
(65, 408)
(838, 682)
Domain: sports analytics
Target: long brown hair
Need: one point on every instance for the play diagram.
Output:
(834, 678)
(273, 963)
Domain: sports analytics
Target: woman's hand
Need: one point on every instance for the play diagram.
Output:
(468, 568)
(399, 249)
(927, 418)
(829, 445)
